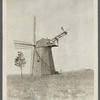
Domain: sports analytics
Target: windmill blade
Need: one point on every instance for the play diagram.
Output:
(18, 41)
(34, 43)
(22, 44)
(34, 29)
(31, 62)
(23, 47)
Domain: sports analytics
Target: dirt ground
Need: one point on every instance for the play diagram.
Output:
(74, 85)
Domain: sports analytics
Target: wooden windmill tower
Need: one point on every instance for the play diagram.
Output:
(42, 58)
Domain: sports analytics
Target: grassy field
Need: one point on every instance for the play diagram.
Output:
(74, 85)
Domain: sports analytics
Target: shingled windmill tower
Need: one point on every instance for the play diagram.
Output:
(42, 58)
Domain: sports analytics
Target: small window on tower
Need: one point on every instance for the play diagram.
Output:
(37, 60)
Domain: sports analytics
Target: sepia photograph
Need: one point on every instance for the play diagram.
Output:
(50, 50)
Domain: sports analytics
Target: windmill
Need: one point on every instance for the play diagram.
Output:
(42, 58)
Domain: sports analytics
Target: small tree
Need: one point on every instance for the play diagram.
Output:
(20, 60)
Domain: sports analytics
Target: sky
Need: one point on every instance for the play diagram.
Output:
(76, 49)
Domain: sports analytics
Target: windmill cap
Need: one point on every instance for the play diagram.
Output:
(44, 43)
